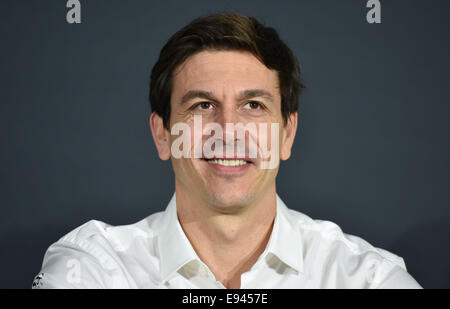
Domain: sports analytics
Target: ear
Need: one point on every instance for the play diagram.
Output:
(289, 131)
(161, 136)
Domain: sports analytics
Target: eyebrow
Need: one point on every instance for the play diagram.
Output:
(243, 95)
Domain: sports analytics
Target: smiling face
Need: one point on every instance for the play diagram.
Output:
(225, 87)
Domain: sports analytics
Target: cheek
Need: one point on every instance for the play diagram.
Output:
(281, 137)
(186, 170)
(269, 136)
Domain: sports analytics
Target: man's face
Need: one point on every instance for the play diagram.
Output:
(227, 87)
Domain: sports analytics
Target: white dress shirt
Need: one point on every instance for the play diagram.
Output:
(155, 253)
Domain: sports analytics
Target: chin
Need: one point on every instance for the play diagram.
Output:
(230, 201)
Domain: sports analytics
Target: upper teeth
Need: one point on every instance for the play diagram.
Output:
(228, 162)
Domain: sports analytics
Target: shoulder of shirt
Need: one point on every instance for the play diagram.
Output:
(97, 245)
(330, 233)
(95, 233)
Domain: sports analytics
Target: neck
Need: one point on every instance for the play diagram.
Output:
(229, 244)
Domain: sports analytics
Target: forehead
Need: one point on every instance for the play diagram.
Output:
(223, 71)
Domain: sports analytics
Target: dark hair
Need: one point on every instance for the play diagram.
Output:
(225, 31)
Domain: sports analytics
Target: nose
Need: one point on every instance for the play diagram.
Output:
(228, 114)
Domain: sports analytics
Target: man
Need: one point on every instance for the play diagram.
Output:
(222, 81)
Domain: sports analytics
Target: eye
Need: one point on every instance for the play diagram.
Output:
(253, 105)
(204, 105)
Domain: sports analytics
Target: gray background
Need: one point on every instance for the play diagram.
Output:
(372, 152)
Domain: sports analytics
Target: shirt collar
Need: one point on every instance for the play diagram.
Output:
(174, 247)
(176, 250)
(285, 241)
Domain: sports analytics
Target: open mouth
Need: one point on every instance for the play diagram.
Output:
(228, 162)
(224, 164)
